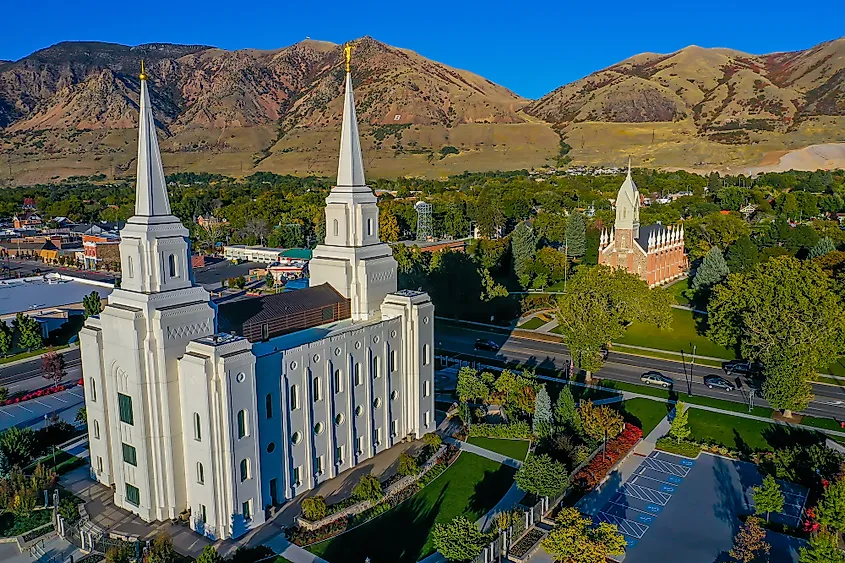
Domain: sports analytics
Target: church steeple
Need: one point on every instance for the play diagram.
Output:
(350, 169)
(151, 189)
(628, 205)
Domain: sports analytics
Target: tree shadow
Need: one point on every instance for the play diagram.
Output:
(493, 485)
(780, 436)
(729, 496)
(724, 557)
(742, 446)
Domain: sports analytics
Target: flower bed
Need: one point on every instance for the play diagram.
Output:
(685, 448)
(519, 429)
(33, 395)
(602, 463)
(525, 543)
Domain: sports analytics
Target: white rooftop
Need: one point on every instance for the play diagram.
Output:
(36, 294)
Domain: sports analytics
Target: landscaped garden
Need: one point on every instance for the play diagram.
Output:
(644, 413)
(532, 323)
(515, 448)
(470, 487)
(688, 330)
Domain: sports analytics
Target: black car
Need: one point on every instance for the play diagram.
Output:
(741, 367)
(487, 345)
(657, 378)
(712, 381)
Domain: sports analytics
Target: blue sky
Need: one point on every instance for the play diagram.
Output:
(529, 47)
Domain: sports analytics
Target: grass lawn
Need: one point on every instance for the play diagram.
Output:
(517, 449)
(741, 433)
(470, 487)
(677, 289)
(579, 393)
(557, 330)
(532, 323)
(644, 413)
(688, 330)
(11, 525)
(622, 349)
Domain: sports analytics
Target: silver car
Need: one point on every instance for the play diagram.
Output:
(657, 378)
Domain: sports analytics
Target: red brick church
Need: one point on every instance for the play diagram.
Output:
(654, 252)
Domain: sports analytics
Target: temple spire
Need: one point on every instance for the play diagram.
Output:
(151, 189)
(350, 169)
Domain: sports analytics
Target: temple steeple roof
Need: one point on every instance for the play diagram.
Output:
(350, 169)
(151, 189)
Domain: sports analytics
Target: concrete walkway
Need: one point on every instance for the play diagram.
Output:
(292, 552)
(473, 449)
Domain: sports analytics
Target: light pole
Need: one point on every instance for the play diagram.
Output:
(692, 365)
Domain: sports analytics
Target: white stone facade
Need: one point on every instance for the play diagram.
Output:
(181, 418)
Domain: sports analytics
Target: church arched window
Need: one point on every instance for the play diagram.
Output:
(197, 429)
(336, 229)
(370, 227)
(171, 260)
(200, 474)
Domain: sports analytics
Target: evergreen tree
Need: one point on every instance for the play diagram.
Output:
(5, 338)
(821, 248)
(768, 497)
(269, 280)
(542, 423)
(821, 548)
(576, 235)
(830, 512)
(459, 539)
(566, 414)
(742, 255)
(29, 332)
(711, 271)
(92, 304)
(209, 555)
(5, 466)
(679, 429)
(714, 183)
(523, 248)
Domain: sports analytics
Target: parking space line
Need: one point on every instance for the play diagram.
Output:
(666, 467)
(628, 527)
(629, 507)
(673, 485)
(646, 494)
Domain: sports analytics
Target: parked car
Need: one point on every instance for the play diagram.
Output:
(712, 381)
(656, 378)
(742, 367)
(487, 345)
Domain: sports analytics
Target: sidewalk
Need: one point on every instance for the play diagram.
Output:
(473, 449)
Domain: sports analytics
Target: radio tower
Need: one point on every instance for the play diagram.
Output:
(424, 229)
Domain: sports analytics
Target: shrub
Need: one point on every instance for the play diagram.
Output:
(685, 448)
(601, 464)
(432, 440)
(519, 429)
(314, 508)
(407, 465)
(368, 488)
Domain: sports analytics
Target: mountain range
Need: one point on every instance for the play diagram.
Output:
(72, 108)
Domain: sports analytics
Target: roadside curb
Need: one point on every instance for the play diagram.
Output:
(63, 350)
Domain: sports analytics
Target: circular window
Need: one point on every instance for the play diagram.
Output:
(392, 334)
(318, 428)
(293, 365)
(377, 402)
(425, 320)
(394, 395)
(296, 438)
(357, 345)
(316, 358)
(375, 339)
(271, 447)
(337, 351)
(241, 376)
(339, 418)
(359, 410)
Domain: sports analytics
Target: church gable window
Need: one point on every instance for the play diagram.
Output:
(124, 404)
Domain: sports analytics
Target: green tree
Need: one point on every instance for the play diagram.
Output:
(407, 465)
(712, 270)
(368, 488)
(92, 304)
(122, 554)
(161, 550)
(29, 332)
(714, 229)
(768, 497)
(749, 542)
(566, 414)
(785, 314)
(543, 418)
(459, 539)
(240, 282)
(742, 255)
(388, 227)
(470, 386)
(576, 235)
(314, 508)
(598, 306)
(543, 476)
(432, 440)
(465, 413)
(830, 511)
(269, 280)
(523, 248)
(209, 555)
(822, 547)
(821, 248)
(574, 539)
(19, 445)
(82, 415)
(679, 429)
(601, 422)
(5, 338)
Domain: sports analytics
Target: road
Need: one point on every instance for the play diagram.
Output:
(18, 268)
(828, 401)
(28, 375)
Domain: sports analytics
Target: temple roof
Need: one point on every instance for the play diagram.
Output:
(151, 189)
(350, 169)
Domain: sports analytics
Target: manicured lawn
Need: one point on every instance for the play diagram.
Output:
(644, 413)
(666, 356)
(470, 487)
(532, 323)
(743, 434)
(677, 289)
(557, 330)
(517, 449)
(688, 330)
(11, 525)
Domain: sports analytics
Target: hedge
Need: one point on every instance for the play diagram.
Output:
(684, 448)
(519, 429)
(602, 463)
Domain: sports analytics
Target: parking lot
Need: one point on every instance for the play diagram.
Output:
(33, 412)
(688, 510)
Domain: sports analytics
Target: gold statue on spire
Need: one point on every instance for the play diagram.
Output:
(347, 50)
(143, 75)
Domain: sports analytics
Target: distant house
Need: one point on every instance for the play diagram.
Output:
(209, 222)
(261, 254)
(458, 245)
(31, 247)
(100, 250)
(27, 220)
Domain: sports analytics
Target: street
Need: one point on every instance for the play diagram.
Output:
(828, 401)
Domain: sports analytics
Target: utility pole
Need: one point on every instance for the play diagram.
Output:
(692, 365)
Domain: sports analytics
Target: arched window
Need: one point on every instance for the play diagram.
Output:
(200, 474)
(244, 469)
(370, 227)
(242, 426)
(171, 261)
(268, 405)
(197, 430)
(93, 389)
(129, 266)
(97, 429)
(336, 229)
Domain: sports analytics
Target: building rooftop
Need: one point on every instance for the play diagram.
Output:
(212, 275)
(33, 294)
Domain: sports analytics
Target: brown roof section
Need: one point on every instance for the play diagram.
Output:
(268, 316)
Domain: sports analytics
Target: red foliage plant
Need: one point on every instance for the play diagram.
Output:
(600, 465)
